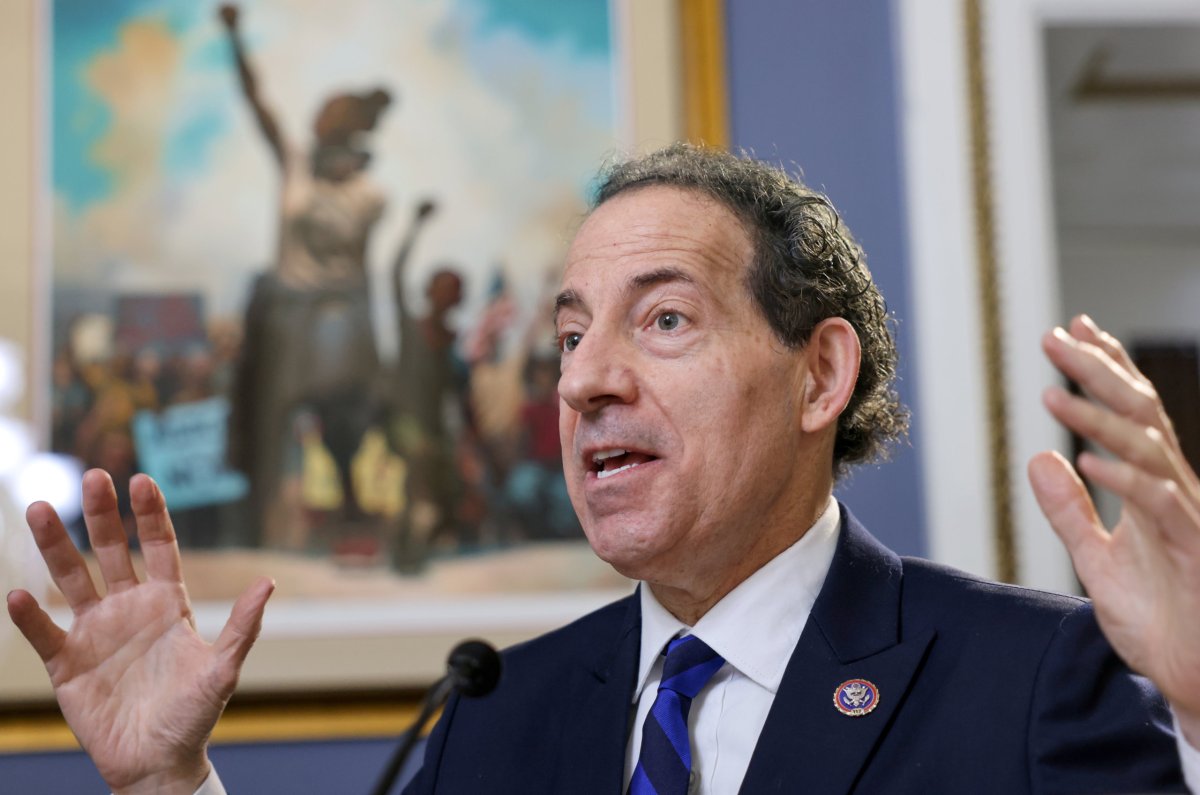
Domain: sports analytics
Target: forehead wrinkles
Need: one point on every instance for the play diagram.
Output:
(712, 244)
(657, 228)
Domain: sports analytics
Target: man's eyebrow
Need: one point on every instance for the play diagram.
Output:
(655, 277)
(567, 299)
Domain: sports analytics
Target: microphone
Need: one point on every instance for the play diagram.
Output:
(472, 669)
(475, 668)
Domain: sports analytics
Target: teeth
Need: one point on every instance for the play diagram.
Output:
(603, 454)
(601, 475)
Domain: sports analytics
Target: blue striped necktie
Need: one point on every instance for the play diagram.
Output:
(665, 762)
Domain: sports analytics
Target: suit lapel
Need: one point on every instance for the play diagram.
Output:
(601, 694)
(853, 633)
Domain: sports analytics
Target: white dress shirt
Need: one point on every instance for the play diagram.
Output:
(755, 628)
(212, 785)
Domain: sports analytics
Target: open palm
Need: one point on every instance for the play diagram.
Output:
(1144, 574)
(136, 683)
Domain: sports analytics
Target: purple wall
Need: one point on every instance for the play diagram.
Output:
(814, 83)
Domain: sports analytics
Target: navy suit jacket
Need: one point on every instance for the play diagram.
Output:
(982, 688)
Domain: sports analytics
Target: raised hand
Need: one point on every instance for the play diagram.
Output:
(228, 14)
(137, 685)
(1144, 574)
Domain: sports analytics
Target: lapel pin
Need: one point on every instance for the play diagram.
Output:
(856, 697)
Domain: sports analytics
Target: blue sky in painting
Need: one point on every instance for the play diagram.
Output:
(583, 23)
(81, 29)
(84, 29)
(579, 27)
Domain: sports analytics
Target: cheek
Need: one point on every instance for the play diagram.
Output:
(747, 420)
(567, 420)
(725, 400)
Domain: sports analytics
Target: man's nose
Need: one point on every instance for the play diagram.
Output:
(598, 373)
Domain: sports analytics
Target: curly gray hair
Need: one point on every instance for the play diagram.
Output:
(807, 267)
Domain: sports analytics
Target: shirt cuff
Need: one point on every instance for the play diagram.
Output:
(1189, 758)
(212, 785)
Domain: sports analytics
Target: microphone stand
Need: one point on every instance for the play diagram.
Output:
(435, 698)
(473, 669)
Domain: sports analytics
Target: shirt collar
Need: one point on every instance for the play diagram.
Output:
(757, 625)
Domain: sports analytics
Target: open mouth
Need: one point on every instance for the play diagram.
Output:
(607, 463)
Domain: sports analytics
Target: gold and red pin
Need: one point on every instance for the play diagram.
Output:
(856, 697)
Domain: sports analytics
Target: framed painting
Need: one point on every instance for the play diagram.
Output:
(294, 262)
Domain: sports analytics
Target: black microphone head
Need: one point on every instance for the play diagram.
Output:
(474, 666)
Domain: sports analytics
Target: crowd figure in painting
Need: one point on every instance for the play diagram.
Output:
(101, 382)
(463, 459)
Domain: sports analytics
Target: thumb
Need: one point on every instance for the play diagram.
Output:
(242, 628)
(1065, 501)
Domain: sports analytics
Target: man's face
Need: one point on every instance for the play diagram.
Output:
(680, 421)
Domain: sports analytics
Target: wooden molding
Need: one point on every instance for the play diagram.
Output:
(705, 86)
(990, 314)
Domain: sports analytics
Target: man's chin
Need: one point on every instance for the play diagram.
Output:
(635, 543)
(636, 563)
(633, 570)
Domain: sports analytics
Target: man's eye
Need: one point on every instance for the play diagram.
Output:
(569, 342)
(668, 321)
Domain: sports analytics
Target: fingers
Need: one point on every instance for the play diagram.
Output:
(107, 531)
(1144, 447)
(156, 533)
(42, 633)
(1103, 378)
(1083, 328)
(66, 565)
(1173, 516)
(1064, 500)
(1100, 364)
(242, 628)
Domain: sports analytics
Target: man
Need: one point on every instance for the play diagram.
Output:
(725, 356)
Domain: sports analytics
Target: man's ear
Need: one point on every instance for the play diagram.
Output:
(833, 354)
